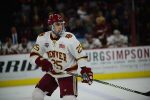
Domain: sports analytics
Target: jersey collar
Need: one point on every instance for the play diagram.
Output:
(52, 38)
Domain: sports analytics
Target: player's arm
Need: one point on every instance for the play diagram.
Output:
(36, 56)
(76, 50)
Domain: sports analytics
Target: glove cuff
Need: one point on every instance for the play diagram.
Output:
(83, 67)
(38, 61)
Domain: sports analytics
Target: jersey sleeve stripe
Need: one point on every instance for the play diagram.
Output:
(72, 68)
(34, 54)
(84, 57)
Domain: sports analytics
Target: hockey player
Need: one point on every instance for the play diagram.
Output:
(64, 53)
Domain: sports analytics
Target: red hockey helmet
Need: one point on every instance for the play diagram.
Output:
(54, 18)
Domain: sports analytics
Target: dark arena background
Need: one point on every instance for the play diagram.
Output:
(115, 35)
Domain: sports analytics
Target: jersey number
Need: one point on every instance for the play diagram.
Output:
(36, 47)
(57, 63)
(79, 48)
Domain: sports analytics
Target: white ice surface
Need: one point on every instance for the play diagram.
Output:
(96, 91)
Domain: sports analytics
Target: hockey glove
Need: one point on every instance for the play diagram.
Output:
(87, 75)
(45, 64)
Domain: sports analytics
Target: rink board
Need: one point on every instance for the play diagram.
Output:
(131, 62)
(30, 81)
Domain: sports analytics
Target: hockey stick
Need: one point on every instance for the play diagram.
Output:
(113, 85)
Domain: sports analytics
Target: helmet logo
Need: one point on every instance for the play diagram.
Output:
(54, 18)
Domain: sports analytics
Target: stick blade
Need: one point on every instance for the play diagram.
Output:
(147, 93)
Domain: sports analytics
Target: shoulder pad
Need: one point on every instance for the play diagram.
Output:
(41, 34)
(68, 36)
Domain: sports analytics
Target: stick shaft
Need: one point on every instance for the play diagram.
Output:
(113, 85)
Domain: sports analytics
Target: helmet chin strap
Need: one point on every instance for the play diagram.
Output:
(58, 33)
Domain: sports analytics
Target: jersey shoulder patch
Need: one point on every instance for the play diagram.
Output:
(41, 34)
(68, 36)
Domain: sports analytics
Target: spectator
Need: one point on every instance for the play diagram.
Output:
(1, 50)
(91, 43)
(88, 23)
(14, 35)
(79, 30)
(9, 47)
(82, 12)
(115, 24)
(37, 25)
(100, 30)
(24, 25)
(117, 40)
(30, 18)
(25, 46)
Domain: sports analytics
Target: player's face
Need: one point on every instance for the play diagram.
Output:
(58, 26)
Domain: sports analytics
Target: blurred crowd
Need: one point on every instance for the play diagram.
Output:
(96, 23)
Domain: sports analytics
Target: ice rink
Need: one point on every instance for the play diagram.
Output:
(96, 91)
